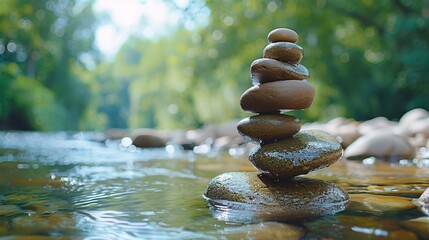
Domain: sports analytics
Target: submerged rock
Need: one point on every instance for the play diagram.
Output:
(378, 204)
(306, 151)
(364, 227)
(418, 225)
(58, 222)
(6, 210)
(265, 199)
(263, 230)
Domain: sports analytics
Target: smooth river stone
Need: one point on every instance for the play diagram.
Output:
(148, 138)
(418, 225)
(380, 144)
(251, 193)
(262, 230)
(413, 116)
(283, 35)
(307, 151)
(268, 127)
(378, 204)
(266, 70)
(284, 52)
(275, 96)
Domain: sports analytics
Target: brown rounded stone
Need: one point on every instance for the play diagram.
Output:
(378, 204)
(283, 35)
(62, 222)
(148, 138)
(257, 197)
(269, 127)
(306, 151)
(284, 52)
(275, 96)
(266, 70)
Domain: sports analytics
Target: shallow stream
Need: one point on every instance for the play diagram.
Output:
(68, 186)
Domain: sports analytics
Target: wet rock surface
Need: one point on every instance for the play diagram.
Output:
(306, 151)
(266, 230)
(286, 200)
(378, 204)
(281, 152)
(109, 198)
(269, 127)
(361, 227)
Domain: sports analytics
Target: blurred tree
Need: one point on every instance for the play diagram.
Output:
(113, 97)
(375, 54)
(366, 59)
(157, 76)
(44, 42)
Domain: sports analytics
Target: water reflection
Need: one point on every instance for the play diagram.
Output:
(72, 185)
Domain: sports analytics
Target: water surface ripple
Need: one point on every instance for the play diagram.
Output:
(73, 185)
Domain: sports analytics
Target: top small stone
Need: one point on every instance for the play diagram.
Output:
(283, 35)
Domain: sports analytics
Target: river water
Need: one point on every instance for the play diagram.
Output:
(73, 186)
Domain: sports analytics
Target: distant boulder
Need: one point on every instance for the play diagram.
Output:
(415, 122)
(381, 144)
(148, 138)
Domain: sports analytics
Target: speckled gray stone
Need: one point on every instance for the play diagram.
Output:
(287, 200)
(306, 151)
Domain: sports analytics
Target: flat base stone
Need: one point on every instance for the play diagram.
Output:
(250, 197)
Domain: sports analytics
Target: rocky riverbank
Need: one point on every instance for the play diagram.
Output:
(378, 137)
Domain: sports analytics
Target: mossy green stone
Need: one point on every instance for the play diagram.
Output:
(287, 200)
(307, 151)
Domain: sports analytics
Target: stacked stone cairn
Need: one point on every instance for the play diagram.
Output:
(283, 151)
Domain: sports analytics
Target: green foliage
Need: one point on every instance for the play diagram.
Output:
(34, 106)
(361, 65)
(42, 43)
(366, 59)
